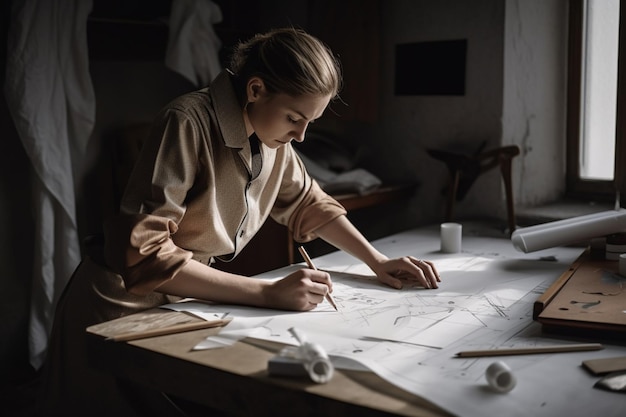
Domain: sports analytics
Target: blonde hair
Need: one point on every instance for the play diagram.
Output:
(289, 61)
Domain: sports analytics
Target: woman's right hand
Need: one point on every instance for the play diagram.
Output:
(302, 290)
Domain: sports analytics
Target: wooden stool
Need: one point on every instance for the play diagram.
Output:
(464, 169)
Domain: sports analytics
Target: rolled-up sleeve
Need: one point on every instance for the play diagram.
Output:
(302, 205)
(315, 210)
(139, 247)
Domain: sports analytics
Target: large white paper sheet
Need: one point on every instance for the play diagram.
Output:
(410, 336)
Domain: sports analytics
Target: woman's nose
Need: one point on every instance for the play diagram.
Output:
(298, 134)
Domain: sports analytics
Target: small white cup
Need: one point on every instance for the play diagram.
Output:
(451, 237)
(500, 377)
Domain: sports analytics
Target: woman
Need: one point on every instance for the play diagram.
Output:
(217, 163)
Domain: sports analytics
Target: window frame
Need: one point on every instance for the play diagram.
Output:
(577, 187)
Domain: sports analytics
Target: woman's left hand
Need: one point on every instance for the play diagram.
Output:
(394, 271)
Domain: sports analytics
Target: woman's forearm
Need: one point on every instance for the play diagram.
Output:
(342, 234)
(301, 290)
(393, 272)
(197, 280)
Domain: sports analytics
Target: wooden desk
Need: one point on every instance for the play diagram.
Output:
(236, 380)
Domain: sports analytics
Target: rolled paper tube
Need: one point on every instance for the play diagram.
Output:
(500, 377)
(316, 362)
(568, 231)
(314, 358)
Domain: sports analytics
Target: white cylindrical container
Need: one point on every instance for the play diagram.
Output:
(500, 377)
(451, 237)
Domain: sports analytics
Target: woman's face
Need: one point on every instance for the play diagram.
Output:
(277, 119)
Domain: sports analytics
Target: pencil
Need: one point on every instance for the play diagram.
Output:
(311, 265)
(530, 350)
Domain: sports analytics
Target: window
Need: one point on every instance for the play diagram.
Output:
(596, 164)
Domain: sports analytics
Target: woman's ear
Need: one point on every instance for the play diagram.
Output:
(255, 88)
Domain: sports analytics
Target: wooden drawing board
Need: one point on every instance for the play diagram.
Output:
(151, 323)
(590, 295)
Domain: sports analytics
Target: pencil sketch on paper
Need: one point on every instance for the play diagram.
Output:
(424, 317)
(469, 307)
(410, 337)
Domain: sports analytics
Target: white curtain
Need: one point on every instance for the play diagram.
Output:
(193, 46)
(50, 95)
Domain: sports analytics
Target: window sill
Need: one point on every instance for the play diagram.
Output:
(562, 209)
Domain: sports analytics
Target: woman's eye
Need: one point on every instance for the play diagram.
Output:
(292, 120)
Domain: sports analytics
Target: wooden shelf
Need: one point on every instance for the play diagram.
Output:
(381, 195)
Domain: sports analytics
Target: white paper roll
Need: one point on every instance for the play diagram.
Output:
(568, 231)
(313, 357)
(317, 363)
(500, 377)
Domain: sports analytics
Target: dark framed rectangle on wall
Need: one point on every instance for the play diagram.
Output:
(431, 68)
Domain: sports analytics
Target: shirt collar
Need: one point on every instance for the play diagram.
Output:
(228, 111)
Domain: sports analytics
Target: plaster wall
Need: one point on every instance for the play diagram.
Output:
(413, 124)
(515, 94)
(534, 97)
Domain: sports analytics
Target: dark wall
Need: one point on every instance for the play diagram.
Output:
(127, 40)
